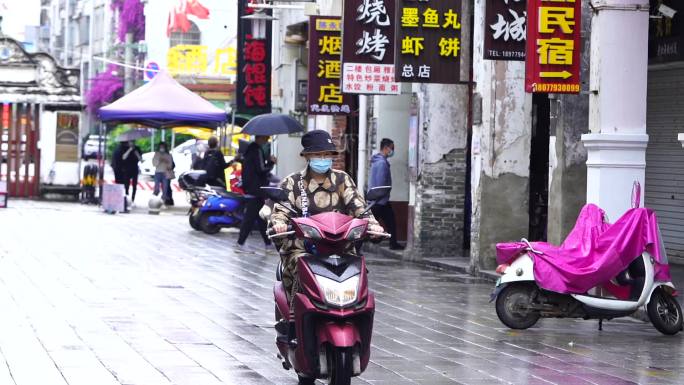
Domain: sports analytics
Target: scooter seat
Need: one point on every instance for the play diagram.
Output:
(229, 194)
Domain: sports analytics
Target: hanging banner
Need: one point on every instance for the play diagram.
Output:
(428, 43)
(552, 64)
(253, 91)
(368, 47)
(505, 29)
(325, 50)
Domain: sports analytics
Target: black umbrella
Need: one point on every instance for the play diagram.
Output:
(272, 124)
(133, 135)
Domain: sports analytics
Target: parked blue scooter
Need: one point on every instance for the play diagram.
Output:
(221, 209)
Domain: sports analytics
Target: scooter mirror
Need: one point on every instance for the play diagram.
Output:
(276, 194)
(378, 192)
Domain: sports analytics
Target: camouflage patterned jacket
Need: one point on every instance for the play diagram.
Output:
(337, 193)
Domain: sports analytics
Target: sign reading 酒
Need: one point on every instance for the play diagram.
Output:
(368, 47)
(505, 29)
(254, 64)
(552, 64)
(325, 50)
(428, 41)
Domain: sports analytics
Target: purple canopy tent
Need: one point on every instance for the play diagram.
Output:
(163, 103)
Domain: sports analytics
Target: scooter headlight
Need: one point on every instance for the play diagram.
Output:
(310, 232)
(356, 233)
(339, 293)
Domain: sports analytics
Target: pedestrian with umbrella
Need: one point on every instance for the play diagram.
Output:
(257, 164)
(126, 157)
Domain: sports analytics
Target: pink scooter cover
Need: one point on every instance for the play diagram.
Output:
(594, 252)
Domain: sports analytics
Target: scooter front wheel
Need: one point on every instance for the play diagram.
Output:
(664, 312)
(193, 219)
(512, 306)
(341, 367)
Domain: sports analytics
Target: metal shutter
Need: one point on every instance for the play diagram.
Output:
(664, 190)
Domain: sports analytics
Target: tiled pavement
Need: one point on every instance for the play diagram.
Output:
(96, 299)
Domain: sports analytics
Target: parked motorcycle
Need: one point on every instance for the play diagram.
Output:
(333, 317)
(193, 182)
(574, 280)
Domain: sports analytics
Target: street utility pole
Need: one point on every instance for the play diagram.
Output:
(128, 60)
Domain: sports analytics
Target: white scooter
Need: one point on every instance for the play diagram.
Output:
(520, 302)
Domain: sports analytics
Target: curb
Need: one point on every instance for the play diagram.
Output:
(482, 276)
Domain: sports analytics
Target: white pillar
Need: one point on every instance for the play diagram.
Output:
(616, 146)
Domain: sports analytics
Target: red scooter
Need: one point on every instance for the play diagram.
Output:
(330, 335)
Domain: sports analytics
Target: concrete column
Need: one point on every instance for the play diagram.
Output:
(616, 146)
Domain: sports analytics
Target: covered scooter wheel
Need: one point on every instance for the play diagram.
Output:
(207, 227)
(511, 306)
(664, 312)
(340, 366)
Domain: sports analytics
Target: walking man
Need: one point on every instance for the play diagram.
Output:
(380, 175)
(256, 168)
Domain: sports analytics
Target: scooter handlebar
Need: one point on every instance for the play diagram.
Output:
(381, 235)
(272, 234)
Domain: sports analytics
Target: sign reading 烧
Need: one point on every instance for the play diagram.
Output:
(428, 41)
(552, 64)
(325, 49)
(368, 47)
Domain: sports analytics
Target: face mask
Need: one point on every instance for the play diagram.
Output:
(320, 165)
(390, 154)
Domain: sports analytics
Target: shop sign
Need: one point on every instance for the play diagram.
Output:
(253, 91)
(325, 96)
(66, 139)
(428, 44)
(505, 29)
(368, 47)
(666, 33)
(552, 64)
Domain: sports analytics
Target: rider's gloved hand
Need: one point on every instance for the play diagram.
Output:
(279, 228)
(376, 229)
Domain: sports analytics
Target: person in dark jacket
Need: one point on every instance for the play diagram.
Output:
(380, 175)
(256, 169)
(214, 164)
(129, 159)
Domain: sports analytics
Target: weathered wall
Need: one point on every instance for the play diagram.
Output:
(500, 152)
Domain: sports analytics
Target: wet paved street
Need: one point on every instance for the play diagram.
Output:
(88, 298)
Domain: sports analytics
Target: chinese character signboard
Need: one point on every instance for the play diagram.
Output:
(194, 59)
(368, 47)
(254, 63)
(428, 41)
(666, 35)
(505, 29)
(325, 50)
(553, 46)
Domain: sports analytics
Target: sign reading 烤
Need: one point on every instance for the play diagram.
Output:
(428, 41)
(254, 63)
(325, 49)
(368, 47)
(552, 64)
(505, 29)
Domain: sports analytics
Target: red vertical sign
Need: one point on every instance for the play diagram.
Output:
(552, 63)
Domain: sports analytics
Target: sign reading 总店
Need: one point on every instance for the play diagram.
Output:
(368, 47)
(552, 63)
(428, 44)
(325, 50)
(253, 91)
(505, 29)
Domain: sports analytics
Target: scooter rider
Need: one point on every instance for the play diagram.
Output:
(314, 190)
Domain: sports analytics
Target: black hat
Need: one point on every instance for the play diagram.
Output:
(317, 141)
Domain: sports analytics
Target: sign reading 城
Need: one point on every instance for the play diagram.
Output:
(253, 91)
(505, 29)
(552, 64)
(325, 49)
(428, 41)
(368, 47)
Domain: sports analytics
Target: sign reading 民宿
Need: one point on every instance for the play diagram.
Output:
(368, 47)
(552, 63)
(325, 52)
(428, 43)
(505, 29)
(253, 91)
